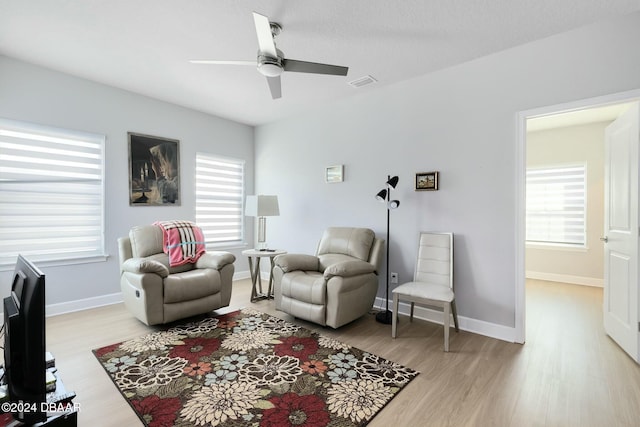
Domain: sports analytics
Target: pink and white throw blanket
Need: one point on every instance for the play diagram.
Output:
(183, 241)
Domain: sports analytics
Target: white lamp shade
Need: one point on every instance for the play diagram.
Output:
(261, 206)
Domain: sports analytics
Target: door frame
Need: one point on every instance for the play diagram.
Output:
(520, 182)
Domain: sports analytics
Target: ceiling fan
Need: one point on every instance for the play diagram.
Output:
(271, 62)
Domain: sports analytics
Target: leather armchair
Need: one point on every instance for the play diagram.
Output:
(337, 285)
(156, 293)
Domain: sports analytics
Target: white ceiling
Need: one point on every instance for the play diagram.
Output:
(144, 45)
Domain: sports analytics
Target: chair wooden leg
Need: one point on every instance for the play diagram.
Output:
(394, 316)
(411, 313)
(455, 315)
(446, 326)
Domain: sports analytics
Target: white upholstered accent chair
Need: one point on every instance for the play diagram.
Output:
(335, 286)
(432, 282)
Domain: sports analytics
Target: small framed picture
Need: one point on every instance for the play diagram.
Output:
(426, 181)
(334, 173)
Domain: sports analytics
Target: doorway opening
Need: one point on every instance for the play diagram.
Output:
(542, 128)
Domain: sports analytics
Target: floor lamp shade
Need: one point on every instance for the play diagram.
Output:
(261, 207)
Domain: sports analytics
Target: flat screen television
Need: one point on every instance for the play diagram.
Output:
(24, 342)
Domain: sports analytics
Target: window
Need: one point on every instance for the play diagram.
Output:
(556, 205)
(219, 199)
(51, 193)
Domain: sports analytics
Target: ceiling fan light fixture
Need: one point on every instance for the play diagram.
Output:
(269, 67)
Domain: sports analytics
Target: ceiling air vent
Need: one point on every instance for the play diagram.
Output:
(362, 81)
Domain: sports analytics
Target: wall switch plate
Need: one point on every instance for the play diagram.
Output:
(394, 277)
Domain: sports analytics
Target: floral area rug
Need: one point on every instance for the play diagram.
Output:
(248, 368)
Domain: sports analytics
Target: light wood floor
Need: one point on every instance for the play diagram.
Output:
(569, 373)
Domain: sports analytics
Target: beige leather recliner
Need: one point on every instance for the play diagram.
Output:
(156, 293)
(337, 285)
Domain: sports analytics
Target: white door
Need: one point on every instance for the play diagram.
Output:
(621, 231)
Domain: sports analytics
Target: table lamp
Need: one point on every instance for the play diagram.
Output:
(262, 206)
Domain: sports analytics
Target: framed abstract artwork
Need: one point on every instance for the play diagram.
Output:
(154, 170)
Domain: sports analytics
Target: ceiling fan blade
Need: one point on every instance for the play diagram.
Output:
(265, 39)
(275, 87)
(214, 62)
(313, 67)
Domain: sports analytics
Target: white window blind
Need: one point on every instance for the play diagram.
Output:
(219, 199)
(51, 193)
(556, 205)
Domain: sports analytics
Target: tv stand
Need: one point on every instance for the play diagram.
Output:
(66, 419)
(55, 400)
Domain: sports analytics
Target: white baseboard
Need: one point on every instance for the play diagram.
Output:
(94, 302)
(241, 275)
(492, 330)
(82, 304)
(565, 278)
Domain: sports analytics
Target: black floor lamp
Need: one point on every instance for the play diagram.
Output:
(385, 196)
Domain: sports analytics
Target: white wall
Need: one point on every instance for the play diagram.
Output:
(583, 144)
(460, 121)
(34, 94)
